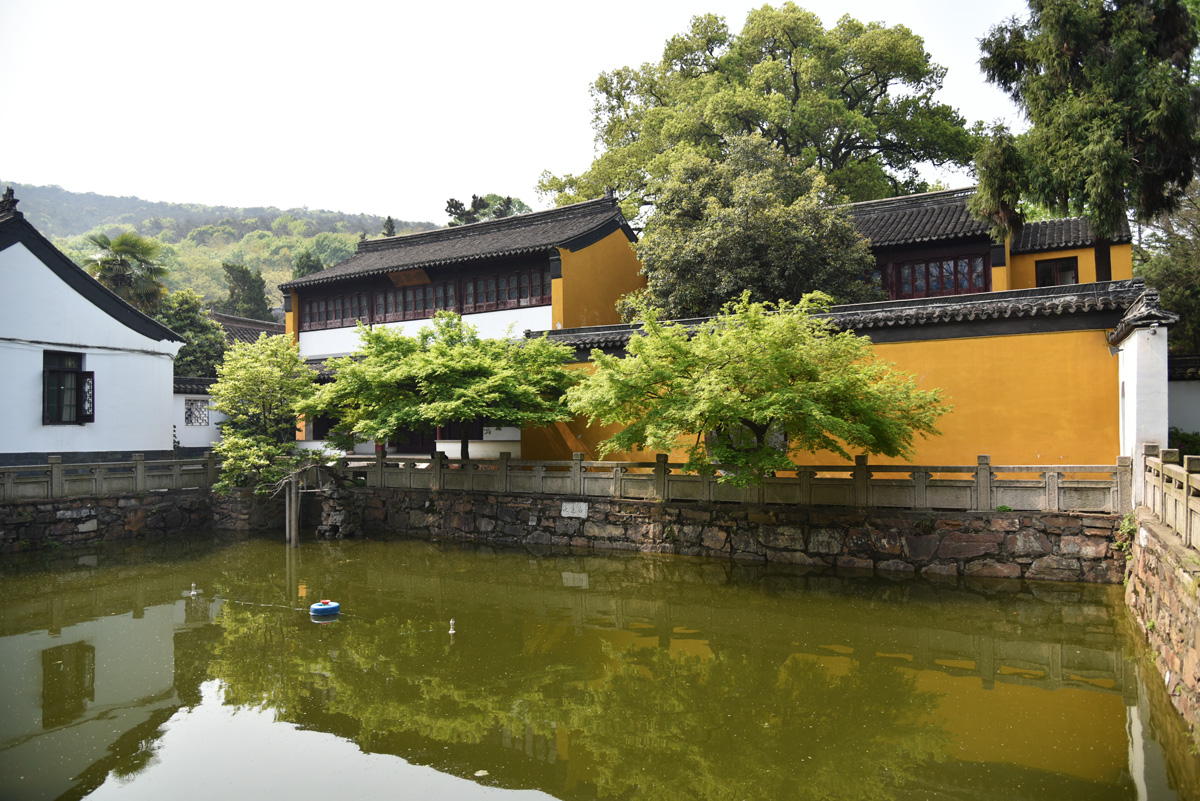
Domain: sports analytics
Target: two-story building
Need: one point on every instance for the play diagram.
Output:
(562, 268)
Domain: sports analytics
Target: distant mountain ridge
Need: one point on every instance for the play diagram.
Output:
(196, 239)
(58, 212)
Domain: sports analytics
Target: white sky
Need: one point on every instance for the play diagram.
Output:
(357, 105)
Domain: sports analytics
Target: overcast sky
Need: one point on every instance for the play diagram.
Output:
(360, 106)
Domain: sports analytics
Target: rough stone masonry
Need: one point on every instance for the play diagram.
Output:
(1052, 546)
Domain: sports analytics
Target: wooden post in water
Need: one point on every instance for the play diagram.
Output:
(287, 514)
(295, 516)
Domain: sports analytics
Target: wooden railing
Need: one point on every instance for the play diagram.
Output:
(1171, 489)
(981, 486)
(58, 480)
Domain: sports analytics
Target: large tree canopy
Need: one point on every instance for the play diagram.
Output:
(1107, 87)
(752, 386)
(750, 222)
(129, 265)
(247, 293)
(856, 101)
(183, 312)
(446, 374)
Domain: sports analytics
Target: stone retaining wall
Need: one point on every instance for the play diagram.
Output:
(33, 525)
(1032, 545)
(1160, 592)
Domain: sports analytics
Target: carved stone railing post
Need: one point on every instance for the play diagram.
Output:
(1151, 483)
(660, 476)
(1191, 466)
(437, 467)
(862, 495)
(139, 472)
(56, 476)
(502, 466)
(1124, 484)
(983, 483)
(577, 473)
(377, 473)
(1051, 479)
(210, 468)
(920, 489)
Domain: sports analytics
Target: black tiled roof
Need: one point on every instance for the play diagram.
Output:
(190, 385)
(863, 318)
(245, 329)
(1069, 232)
(928, 217)
(567, 226)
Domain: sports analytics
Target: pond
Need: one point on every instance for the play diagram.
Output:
(567, 676)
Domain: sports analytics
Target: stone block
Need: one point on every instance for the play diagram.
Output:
(966, 545)
(1106, 523)
(889, 542)
(88, 526)
(825, 540)
(74, 514)
(486, 525)
(714, 539)
(603, 531)
(762, 519)
(859, 541)
(990, 568)
(940, 569)
(577, 509)
(921, 547)
(855, 563)
(782, 537)
(1104, 571)
(1005, 524)
(1028, 543)
(1083, 547)
(1054, 568)
(696, 514)
(895, 566)
(135, 520)
(797, 558)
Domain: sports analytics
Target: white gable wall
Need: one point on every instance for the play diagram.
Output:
(134, 386)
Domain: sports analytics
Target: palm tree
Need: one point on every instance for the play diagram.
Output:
(129, 266)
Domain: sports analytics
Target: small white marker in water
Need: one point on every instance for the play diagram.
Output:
(451, 625)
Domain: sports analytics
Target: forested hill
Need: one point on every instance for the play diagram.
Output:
(197, 238)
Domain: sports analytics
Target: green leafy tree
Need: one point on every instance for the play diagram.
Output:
(749, 222)
(1107, 87)
(856, 101)
(446, 374)
(183, 312)
(247, 293)
(752, 386)
(129, 265)
(307, 263)
(259, 388)
(1169, 260)
(500, 207)
(389, 226)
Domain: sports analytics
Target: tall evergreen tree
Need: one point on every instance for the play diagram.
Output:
(389, 226)
(307, 263)
(247, 293)
(1107, 86)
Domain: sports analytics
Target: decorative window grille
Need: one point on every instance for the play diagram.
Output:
(195, 412)
(69, 392)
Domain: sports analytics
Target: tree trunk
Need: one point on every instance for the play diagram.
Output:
(466, 444)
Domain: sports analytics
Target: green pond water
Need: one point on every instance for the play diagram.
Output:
(567, 676)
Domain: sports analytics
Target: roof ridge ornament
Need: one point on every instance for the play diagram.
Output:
(8, 204)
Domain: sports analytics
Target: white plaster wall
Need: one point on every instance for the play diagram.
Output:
(196, 436)
(1144, 394)
(134, 384)
(1184, 399)
(491, 325)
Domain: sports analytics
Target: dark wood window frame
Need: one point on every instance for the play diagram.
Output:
(936, 274)
(481, 292)
(68, 391)
(1055, 272)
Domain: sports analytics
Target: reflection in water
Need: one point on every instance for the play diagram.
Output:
(571, 676)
